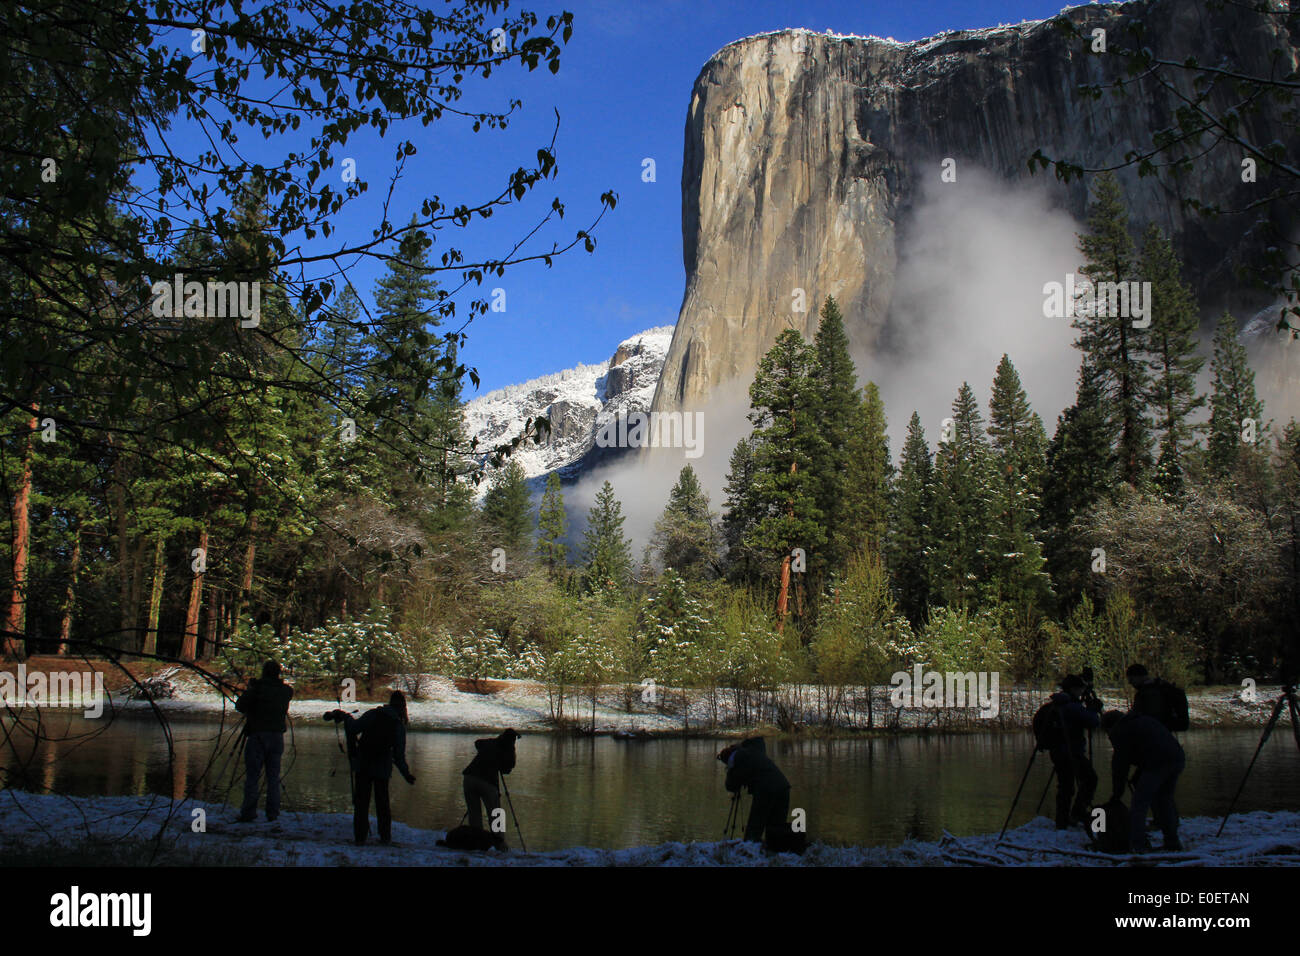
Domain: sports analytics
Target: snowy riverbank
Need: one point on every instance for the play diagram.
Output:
(42, 829)
(525, 705)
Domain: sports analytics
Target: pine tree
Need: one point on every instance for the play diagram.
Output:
(869, 474)
(1174, 359)
(1110, 343)
(1080, 458)
(964, 500)
(607, 553)
(1233, 402)
(552, 526)
(910, 540)
(685, 538)
(342, 343)
(1019, 448)
(838, 417)
(409, 389)
(507, 505)
(1015, 430)
(740, 514)
(1080, 473)
(789, 452)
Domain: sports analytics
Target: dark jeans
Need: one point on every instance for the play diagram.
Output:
(479, 791)
(767, 814)
(1073, 773)
(262, 749)
(1154, 790)
(361, 808)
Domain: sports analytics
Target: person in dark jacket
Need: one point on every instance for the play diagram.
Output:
(376, 743)
(494, 756)
(265, 706)
(1157, 698)
(1142, 741)
(748, 765)
(1076, 778)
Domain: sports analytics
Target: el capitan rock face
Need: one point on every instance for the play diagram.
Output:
(805, 152)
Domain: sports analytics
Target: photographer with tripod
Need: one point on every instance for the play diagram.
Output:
(376, 743)
(748, 765)
(1060, 728)
(494, 759)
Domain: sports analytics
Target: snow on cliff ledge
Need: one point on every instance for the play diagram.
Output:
(574, 400)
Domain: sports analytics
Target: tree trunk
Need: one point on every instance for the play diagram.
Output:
(190, 643)
(137, 579)
(155, 598)
(15, 617)
(246, 581)
(210, 647)
(783, 599)
(70, 596)
(127, 604)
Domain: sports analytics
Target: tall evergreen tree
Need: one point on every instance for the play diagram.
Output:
(507, 505)
(964, 500)
(685, 538)
(868, 475)
(1110, 343)
(910, 539)
(789, 452)
(1174, 359)
(1019, 449)
(1080, 473)
(838, 415)
(552, 526)
(1080, 458)
(416, 400)
(1233, 400)
(607, 553)
(1015, 431)
(740, 514)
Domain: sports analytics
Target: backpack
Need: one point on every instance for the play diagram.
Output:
(1165, 702)
(1115, 838)
(466, 837)
(1049, 727)
(377, 740)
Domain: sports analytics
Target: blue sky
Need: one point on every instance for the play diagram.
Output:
(622, 94)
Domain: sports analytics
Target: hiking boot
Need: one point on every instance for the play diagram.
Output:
(1173, 846)
(272, 817)
(246, 818)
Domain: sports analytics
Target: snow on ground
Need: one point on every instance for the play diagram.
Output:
(524, 705)
(32, 824)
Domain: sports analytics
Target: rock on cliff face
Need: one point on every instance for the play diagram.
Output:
(576, 401)
(805, 152)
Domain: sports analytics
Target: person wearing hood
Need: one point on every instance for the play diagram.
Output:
(748, 765)
(265, 706)
(494, 757)
(378, 740)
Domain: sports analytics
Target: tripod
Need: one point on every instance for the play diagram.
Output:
(733, 818)
(1289, 699)
(511, 804)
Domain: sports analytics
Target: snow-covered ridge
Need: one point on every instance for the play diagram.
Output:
(574, 400)
(922, 45)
